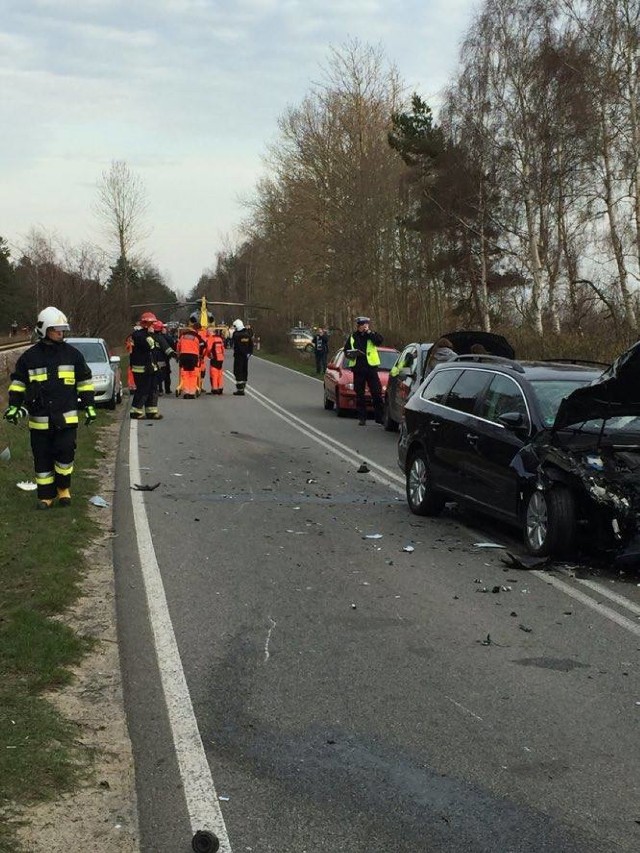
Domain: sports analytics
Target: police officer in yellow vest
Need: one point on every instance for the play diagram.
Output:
(363, 358)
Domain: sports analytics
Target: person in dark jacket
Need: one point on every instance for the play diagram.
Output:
(320, 343)
(48, 380)
(242, 344)
(144, 369)
(163, 353)
(361, 351)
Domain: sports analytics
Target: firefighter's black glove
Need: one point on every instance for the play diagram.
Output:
(89, 415)
(14, 413)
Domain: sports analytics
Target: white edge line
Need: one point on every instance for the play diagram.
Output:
(197, 782)
(291, 369)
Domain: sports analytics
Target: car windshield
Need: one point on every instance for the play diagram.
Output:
(623, 423)
(91, 350)
(387, 359)
(551, 392)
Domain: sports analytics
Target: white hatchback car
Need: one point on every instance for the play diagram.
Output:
(105, 369)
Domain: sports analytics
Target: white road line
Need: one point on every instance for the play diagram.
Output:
(197, 782)
(602, 609)
(291, 369)
(462, 708)
(620, 600)
(268, 640)
(378, 472)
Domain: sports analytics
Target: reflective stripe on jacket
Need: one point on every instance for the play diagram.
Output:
(372, 354)
(48, 379)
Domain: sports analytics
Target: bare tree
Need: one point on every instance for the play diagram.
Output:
(121, 207)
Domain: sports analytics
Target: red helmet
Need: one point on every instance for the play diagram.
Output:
(158, 326)
(147, 318)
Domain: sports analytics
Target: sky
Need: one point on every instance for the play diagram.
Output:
(188, 93)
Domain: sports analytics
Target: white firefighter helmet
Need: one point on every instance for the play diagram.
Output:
(238, 325)
(51, 318)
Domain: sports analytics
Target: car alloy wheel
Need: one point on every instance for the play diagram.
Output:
(537, 521)
(550, 522)
(421, 496)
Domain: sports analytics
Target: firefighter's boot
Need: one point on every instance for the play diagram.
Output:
(64, 497)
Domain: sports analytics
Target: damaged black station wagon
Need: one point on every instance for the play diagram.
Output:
(553, 447)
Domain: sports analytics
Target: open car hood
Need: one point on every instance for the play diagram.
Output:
(615, 393)
(494, 344)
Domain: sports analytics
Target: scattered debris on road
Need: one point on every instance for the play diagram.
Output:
(363, 469)
(138, 487)
(517, 561)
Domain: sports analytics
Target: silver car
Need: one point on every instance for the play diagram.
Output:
(105, 369)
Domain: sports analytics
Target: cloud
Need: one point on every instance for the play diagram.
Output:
(188, 92)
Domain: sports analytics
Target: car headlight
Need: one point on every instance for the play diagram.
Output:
(349, 386)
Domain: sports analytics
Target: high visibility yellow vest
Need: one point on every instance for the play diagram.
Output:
(373, 356)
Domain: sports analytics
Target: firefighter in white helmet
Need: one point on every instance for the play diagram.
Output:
(242, 343)
(48, 380)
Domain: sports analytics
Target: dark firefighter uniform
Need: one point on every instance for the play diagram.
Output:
(144, 369)
(163, 353)
(49, 379)
(242, 343)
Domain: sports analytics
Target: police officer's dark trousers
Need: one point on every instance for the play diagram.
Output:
(53, 453)
(363, 376)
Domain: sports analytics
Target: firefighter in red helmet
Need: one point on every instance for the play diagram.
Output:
(144, 369)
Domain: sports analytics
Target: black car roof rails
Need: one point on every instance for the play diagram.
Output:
(492, 359)
(577, 361)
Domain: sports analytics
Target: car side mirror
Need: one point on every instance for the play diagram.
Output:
(114, 359)
(512, 420)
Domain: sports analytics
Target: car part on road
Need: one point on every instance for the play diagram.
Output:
(205, 842)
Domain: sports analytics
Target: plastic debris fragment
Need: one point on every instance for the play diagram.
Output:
(363, 469)
(138, 487)
(409, 549)
(372, 536)
(26, 486)
(96, 500)
(5, 455)
(488, 545)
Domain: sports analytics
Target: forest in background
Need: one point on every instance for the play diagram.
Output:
(516, 210)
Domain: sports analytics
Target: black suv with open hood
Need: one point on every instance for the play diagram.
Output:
(553, 447)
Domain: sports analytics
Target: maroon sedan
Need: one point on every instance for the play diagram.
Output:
(338, 381)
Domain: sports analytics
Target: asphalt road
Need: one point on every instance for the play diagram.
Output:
(344, 694)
